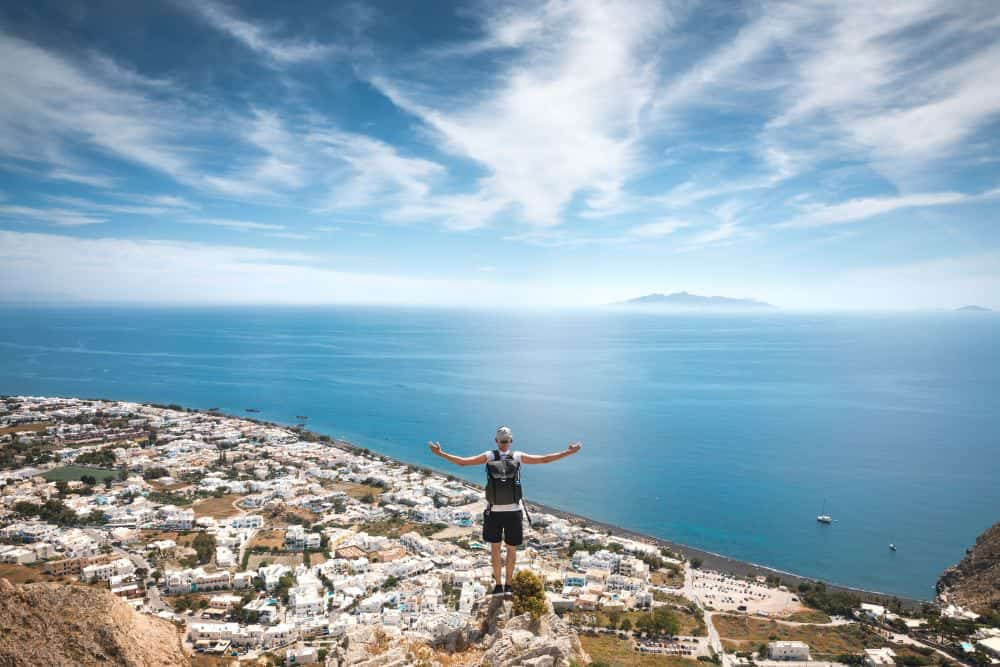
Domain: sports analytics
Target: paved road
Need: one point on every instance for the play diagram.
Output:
(714, 641)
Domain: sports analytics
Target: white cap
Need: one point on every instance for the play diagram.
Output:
(503, 433)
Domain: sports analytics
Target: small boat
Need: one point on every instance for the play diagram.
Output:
(253, 410)
(823, 516)
(892, 547)
(302, 417)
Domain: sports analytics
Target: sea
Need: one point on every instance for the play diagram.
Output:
(726, 432)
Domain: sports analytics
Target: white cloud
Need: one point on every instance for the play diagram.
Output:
(259, 39)
(170, 201)
(103, 207)
(52, 106)
(239, 225)
(562, 118)
(902, 81)
(655, 230)
(723, 232)
(868, 207)
(91, 179)
(370, 170)
(892, 86)
(54, 216)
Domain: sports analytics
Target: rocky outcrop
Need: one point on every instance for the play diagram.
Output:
(77, 626)
(974, 583)
(510, 640)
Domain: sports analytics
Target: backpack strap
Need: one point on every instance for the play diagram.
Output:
(496, 457)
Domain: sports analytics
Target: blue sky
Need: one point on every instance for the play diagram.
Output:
(811, 154)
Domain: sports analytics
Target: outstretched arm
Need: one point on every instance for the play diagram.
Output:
(573, 448)
(457, 460)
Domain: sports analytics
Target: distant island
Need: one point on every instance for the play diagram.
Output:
(973, 309)
(687, 301)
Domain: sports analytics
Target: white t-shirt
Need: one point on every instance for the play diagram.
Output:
(516, 507)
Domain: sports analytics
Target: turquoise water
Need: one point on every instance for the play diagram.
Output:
(725, 432)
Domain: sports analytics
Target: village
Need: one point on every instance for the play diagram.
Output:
(259, 539)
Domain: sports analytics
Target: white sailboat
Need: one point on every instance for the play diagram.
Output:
(823, 516)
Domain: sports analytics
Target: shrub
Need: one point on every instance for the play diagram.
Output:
(529, 594)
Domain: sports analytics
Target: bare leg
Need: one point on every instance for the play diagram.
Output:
(495, 561)
(511, 560)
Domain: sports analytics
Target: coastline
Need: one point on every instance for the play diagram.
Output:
(710, 560)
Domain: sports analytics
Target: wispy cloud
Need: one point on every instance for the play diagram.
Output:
(239, 225)
(562, 118)
(868, 207)
(370, 169)
(258, 38)
(93, 180)
(59, 107)
(53, 216)
(654, 230)
(104, 207)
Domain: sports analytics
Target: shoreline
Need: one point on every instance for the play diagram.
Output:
(710, 560)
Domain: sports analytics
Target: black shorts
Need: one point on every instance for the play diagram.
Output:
(503, 525)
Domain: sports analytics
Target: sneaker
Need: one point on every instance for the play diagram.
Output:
(508, 592)
(497, 590)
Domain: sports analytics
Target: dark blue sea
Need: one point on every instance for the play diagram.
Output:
(725, 432)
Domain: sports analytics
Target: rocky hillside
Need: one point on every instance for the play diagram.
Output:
(495, 637)
(975, 582)
(72, 625)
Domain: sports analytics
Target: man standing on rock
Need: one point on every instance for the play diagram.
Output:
(502, 518)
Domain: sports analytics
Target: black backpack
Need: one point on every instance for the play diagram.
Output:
(503, 481)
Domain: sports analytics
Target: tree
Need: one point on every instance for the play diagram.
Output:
(626, 624)
(665, 621)
(122, 474)
(88, 480)
(644, 623)
(696, 563)
(204, 545)
(285, 583)
(107, 482)
(529, 594)
(62, 486)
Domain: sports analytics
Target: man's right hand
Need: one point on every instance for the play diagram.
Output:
(435, 447)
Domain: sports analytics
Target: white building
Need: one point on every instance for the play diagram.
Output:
(306, 598)
(104, 571)
(247, 521)
(991, 645)
(224, 557)
(788, 651)
(189, 581)
(876, 612)
(173, 518)
(879, 657)
(297, 539)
